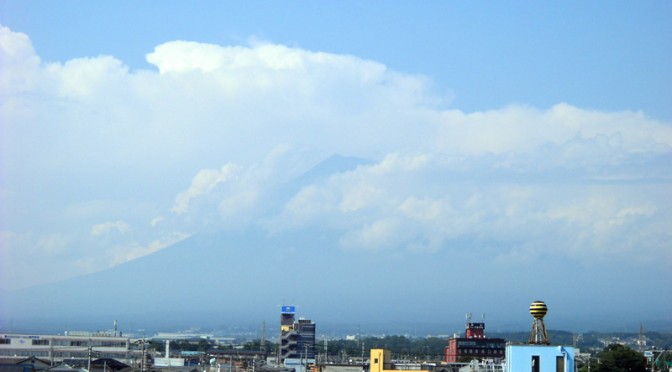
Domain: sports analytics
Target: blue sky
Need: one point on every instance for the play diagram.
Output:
(517, 132)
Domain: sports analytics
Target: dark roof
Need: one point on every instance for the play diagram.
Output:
(17, 368)
(100, 363)
(76, 363)
(109, 363)
(65, 367)
(174, 369)
(36, 362)
(274, 369)
(236, 352)
(480, 340)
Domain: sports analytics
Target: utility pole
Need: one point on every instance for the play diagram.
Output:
(144, 353)
(88, 368)
(91, 353)
(263, 336)
(51, 352)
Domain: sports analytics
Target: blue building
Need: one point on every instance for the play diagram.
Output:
(539, 358)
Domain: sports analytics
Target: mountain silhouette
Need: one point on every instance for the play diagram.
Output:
(230, 276)
(233, 277)
(242, 276)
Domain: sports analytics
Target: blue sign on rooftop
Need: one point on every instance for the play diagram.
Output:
(288, 309)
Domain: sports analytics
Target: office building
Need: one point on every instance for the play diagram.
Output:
(475, 345)
(297, 340)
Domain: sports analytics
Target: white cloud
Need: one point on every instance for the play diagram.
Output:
(359, 197)
(204, 182)
(87, 76)
(376, 235)
(120, 146)
(525, 130)
(185, 56)
(53, 244)
(128, 252)
(422, 209)
(156, 221)
(19, 64)
(106, 228)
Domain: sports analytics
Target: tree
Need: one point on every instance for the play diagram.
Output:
(619, 358)
(663, 361)
(203, 345)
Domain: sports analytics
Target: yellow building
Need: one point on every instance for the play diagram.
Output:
(381, 361)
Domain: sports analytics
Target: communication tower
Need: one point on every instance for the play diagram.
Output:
(538, 335)
(262, 344)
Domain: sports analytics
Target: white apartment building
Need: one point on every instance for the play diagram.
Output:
(74, 345)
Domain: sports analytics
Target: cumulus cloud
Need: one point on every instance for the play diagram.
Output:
(247, 127)
(18, 61)
(424, 203)
(85, 77)
(105, 228)
(524, 130)
(128, 252)
(202, 184)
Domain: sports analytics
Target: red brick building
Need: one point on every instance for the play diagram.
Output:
(474, 345)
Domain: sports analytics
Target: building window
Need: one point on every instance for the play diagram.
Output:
(535, 363)
(5, 341)
(560, 364)
(112, 344)
(40, 342)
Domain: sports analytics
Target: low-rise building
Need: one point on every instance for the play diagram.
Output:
(539, 358)
(79, 345)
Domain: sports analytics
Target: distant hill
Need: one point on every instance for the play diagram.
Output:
(220, 278)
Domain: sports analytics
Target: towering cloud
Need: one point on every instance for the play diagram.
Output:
(101, 164)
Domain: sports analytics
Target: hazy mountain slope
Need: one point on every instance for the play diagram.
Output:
(231, 276)
(243, 276)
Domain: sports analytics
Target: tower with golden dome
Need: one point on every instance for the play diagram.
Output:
(538, 335)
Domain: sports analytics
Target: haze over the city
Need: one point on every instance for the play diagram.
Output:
(486, 154)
